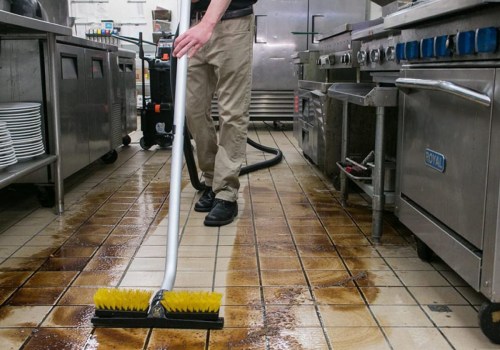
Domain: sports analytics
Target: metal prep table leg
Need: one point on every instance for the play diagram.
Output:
(378, 199)
(56, 127)
(343, 152)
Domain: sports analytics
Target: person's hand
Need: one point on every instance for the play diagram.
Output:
(192, 40)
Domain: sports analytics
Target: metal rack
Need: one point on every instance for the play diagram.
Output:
(368, 95)
(15, 27)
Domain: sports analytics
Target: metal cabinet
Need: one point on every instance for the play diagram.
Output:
(283, 28)
(123, 96)
(85, 99)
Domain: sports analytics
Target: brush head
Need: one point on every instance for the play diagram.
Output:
(122, 299)
(191, 301)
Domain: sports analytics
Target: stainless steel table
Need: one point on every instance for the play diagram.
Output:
(15, 27)
(373, 96)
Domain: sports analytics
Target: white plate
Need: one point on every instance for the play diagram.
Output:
(26, 146)
(17, 127)
(19, 115)
(23, 134)
(31, 118)
(5, 151)
(6, 142)
(19, 105)
(27, 140)
(23, 148)
(29, 149)
(2, 166)
(30, 152)
(8, 159)
(31, 156)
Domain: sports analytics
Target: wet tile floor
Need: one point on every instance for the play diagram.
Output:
(297, 270)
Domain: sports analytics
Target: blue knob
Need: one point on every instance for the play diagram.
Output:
(486, 39)
(412, 50)
(442, 49)
(400, 51)
(427, 48)
(466, 43)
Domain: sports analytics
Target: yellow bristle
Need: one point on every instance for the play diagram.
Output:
(190, 301)
(122, 299)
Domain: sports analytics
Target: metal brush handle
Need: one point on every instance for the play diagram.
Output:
(177, 157)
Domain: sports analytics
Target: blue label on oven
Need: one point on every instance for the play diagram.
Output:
(435, 160)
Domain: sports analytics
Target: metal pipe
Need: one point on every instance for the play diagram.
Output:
(177, 156)
(378, 200)
(343, 151)
(56, 127)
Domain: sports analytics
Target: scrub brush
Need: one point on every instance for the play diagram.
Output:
(112, 302)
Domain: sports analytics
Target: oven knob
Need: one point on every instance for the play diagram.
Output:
(346, 58)
(375, 55)
(326, 60)
(466, 44)
(486, 39)
(400, 51)
(427, 48)
(412, 50)
(362, 57)
(443, 46)
(390, 53)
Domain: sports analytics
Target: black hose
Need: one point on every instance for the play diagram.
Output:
(264, 164)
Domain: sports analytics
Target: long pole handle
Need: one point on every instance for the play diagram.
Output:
(177, 156)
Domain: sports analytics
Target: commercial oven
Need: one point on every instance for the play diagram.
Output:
(449, 142)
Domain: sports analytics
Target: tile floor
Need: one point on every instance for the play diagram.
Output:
(297, 270)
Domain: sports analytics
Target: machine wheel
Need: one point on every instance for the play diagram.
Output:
(126, 140)
(46, 196)
(423, 251)
(166, 141)
(110, 157)
(145, 145)
(489, 321)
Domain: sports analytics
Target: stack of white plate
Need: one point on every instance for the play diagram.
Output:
(7, 154)
(24, 124)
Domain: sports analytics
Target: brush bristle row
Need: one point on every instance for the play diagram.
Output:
(190, 301)
(122, 299)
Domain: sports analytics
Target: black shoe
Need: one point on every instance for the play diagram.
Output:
(222, 213)
(206, 201)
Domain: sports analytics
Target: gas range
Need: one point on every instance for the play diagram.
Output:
(337, 48)
(377, 51)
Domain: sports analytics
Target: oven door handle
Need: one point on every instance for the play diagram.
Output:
(444, 86)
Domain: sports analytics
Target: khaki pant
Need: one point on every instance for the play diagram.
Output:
(222, 66)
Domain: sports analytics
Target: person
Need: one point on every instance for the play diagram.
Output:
(219, 45)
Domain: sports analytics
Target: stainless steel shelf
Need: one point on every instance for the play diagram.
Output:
(16, 171)
(365, 183)
(11, 23)
(424, 11)
(365, 94)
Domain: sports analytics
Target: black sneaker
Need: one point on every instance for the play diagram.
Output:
(206, 201)
(222, 213)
